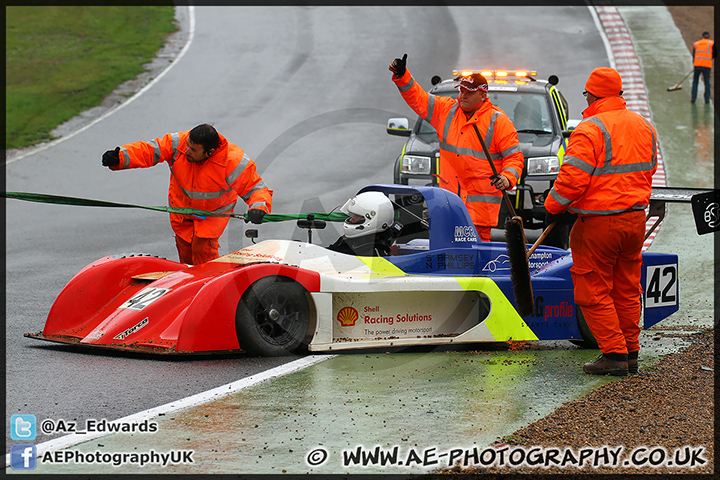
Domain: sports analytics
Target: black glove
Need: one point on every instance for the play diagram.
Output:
(111, 157)
(255, 215)
(565, 218)
(551, 217)
(398, 66)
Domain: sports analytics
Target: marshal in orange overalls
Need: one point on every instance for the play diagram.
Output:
(211, 185)
(464, 169)
(606, 178)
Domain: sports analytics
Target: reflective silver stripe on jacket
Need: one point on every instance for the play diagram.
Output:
(430, 108)
(559, 198)
(607, 212)
(408, 86)
(125, 153)
(513, 171)
(175, 144)
(509, 151)
(258, 186)
(235, 174)
(195, 195)
(431, 99)
(446, 127)
(157, 152)
(487, 138)
(227, 208)
(484, 198)
(607, 167)
(581, 164)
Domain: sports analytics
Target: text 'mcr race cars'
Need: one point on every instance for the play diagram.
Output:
(443, 286)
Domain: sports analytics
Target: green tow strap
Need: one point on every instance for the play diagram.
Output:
(270, 217)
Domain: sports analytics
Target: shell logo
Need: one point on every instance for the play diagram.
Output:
(347, 316)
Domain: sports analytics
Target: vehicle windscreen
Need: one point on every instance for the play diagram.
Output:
(528, 111)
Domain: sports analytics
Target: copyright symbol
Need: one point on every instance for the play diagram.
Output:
(317, 457)
(47, 426)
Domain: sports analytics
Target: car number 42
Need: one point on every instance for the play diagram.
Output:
(144, 298)
(661, 286)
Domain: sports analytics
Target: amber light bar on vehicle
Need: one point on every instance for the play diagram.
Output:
(497, 73)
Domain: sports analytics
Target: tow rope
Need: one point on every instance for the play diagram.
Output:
(270, 217)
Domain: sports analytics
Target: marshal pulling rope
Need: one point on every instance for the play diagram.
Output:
(60, 200)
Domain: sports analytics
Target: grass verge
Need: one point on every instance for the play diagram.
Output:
(61, 61)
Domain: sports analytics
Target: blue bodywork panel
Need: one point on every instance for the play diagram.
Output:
(454, 249)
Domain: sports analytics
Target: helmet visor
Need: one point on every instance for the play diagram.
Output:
(355, 220)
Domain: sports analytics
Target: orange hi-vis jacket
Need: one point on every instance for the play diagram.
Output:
(463, 168)
(609, 163)
(211, 185)
(703, 53)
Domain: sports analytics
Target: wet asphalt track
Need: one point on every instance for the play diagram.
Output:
(307, 118)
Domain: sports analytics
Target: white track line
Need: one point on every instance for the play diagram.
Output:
(191, 14)
(601, 30)
(183, 403)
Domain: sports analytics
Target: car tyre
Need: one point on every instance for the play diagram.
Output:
(272, 317)
(588, 339)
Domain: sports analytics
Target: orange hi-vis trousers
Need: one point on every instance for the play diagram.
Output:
(607, 261)
(201, 250)
(485, 233)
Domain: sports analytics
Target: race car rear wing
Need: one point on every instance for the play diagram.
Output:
(705, 206)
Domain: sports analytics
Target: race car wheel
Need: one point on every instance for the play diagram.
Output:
(588, 339)
(272, 317)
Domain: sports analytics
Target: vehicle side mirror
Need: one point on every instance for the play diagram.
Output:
(436, 79)
(398, 126)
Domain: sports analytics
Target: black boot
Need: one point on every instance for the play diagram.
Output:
(632, 362)
(608, 364)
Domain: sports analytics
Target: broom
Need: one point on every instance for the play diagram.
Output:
(678, 85)
(515, 243)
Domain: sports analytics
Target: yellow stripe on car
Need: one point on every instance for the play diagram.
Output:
(504, 323)
(381, 267)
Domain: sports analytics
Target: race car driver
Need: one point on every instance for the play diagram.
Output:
(463, 168)
(606, 178)
(207, 173)
(370, 229)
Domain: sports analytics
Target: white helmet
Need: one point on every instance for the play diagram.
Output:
(369, 213)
